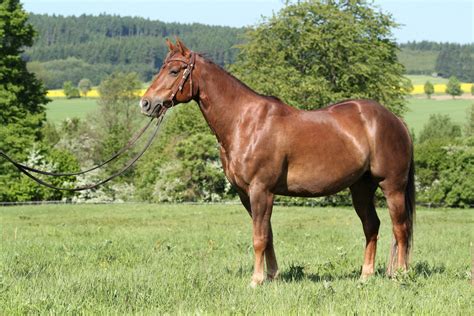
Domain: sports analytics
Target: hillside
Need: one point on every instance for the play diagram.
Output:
(71, 48)
(444, 59)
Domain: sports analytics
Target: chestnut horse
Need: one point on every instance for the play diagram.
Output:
(269, 148)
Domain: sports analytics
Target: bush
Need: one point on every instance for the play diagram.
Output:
(22, 188)
(70, 91)
(439, 126)
(442, 172)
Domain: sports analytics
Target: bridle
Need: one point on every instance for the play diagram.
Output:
(187, 73)
(31, 172)
(160, 111)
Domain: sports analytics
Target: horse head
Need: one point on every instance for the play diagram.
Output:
(174, 82)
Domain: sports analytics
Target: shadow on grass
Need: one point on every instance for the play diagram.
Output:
(296, 273)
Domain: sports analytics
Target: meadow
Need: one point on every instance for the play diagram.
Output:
(197, 259)
(419, 110)
(60, 109)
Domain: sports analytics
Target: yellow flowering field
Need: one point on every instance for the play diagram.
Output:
(417, 89)
(94, 93)
(440, 88)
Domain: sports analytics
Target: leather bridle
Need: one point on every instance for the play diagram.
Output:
(187, 73)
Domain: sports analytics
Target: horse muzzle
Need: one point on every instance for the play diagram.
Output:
(150, 107)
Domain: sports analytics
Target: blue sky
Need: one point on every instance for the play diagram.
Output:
(436, 20)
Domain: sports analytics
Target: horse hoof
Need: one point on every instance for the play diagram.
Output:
(256, 282)
(273, 276)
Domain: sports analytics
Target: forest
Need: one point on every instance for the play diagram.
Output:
(70, 48)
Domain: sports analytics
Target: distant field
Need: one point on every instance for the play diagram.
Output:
(422, 79)
(419, 111)
(60, 108)
(142, 259)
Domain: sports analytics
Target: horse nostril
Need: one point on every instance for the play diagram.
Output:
(145, 104)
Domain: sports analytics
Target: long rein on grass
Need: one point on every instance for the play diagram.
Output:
(30, 171)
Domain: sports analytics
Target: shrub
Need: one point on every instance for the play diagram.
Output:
(70, 91)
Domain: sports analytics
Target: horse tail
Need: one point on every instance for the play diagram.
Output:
(410, 203)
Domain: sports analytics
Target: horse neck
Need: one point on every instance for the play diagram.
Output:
(222, 99)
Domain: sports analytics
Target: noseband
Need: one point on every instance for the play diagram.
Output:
(188, 73)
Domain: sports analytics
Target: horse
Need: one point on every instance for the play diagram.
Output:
(269, 148)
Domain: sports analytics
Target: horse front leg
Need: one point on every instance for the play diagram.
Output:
(270, 257)
(261, 202)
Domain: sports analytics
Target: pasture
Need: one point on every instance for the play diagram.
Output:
(422, 79)
(60, 109)
(197, 259)
(419, 110)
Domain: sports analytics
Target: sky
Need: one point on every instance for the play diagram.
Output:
(434, 20)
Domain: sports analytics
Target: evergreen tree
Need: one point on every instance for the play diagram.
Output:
(313, 53)
(22, 96)
(429, 89)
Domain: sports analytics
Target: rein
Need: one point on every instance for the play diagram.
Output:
(28, 171)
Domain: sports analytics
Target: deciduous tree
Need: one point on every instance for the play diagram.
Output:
(85, 85)
(429, 89)
(312, 53)
(453, 87)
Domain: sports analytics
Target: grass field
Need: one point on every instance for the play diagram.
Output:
(419, 111)
(157, 259)
(60, 109)
(417, 115)
(422, 79)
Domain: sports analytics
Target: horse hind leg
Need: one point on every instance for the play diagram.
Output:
(363, 192)
(401, 213)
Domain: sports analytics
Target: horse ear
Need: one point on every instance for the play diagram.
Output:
(182, 48)
(171, 47)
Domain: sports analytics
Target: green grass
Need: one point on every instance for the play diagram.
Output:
(156, 259)
(60, 109)
(422, 79)
(419, 111)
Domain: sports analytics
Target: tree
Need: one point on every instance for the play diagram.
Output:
(429, 89)
(456, 60)
(453, 87)
(439, 126)
(22, 113)
(85, 85)
(70, 91)
(313, 53)
(22, 96)
(118, 112)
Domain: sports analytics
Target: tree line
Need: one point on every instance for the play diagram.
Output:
(451, 59)
(71, 48)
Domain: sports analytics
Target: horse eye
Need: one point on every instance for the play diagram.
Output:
(174, 72)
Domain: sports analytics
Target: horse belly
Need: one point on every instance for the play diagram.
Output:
(325, 173)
